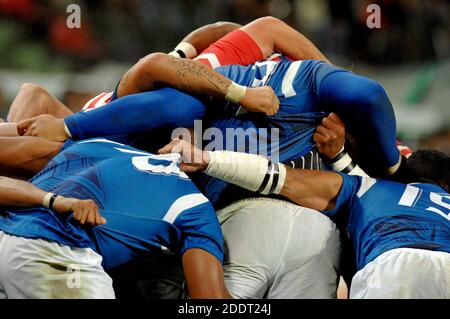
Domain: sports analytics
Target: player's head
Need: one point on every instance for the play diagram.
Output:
(429, 166)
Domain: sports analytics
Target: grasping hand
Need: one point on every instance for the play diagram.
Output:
(84, 211)
(193, 159)
(45, 126)
(330, 136)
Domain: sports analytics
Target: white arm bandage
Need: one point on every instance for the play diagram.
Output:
(235, 93)
(184, 50)
(253, 172)
(344, 163)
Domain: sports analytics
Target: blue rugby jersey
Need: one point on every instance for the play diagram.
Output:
(148, 203)
(384, 215)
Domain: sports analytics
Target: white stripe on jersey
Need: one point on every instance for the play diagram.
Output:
(409, 196)
(211, 57)
(183, 203)
(100, 140)
(270, 65)
(366, 184)
(286, 87)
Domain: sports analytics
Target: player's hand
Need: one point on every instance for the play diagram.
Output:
(330, 136)
(261, 99)
(84, 211)
(45, 126)
(193, 159)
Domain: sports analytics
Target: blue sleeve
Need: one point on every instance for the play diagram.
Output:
(137, 112)
(347, 193)
(201, 229)
(367, 113)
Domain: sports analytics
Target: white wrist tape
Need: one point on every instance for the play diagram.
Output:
(345, 164)
(184, 50)
(66, 129)
(235, 93)
(253, 172)
(46, 200)
(339, 153)
(175, 54)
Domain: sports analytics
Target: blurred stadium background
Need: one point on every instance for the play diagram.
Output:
(409, 55)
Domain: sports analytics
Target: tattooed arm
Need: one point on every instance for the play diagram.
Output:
(159, 69)
(162, 109)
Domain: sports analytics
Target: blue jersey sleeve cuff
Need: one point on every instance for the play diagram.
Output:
(349, 187)
(73, 127)
(209, 247)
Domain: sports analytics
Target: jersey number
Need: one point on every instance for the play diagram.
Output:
(158, 164)
(166, 166)
(412, 194)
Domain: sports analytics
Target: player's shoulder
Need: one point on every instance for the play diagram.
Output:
(363, 186)
(393, 185)
(377, 185)
(386, 189)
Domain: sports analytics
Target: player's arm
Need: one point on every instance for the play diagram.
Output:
(161, 108)
(159, 69)
(204, 275)
(20, 194)
(184, 74)
(25, 156)
(202, 248)
(8, 129)
(201, 38)
(17, 193)
(313, 189)
(273, 35)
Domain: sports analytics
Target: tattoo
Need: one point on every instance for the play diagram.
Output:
(184, 66)
(124, 79)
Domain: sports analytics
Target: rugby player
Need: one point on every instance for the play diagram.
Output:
(399, 231)
(150, 206)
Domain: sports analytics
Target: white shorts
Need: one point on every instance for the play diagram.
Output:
(39, 269)
(275, 249)
(404, 273)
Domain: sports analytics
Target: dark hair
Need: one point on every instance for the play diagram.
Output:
(428, 166)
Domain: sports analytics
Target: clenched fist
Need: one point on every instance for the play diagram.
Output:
(330, 136)
(261, 99)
